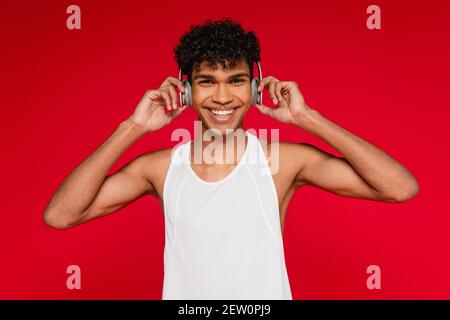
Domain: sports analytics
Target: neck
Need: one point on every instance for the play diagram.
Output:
(213, 147)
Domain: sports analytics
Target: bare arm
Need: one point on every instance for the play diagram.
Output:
(71, 203)
(87, 193)
(365, 171)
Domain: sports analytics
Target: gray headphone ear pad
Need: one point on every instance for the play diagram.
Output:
(255, 93)
(186, 97)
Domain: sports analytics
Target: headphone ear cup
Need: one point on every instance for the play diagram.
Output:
(186, 97)
(255, 93)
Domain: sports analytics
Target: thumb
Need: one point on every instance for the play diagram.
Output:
(179, 110)
(264, 109)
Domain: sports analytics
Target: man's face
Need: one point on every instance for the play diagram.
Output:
(221, 97)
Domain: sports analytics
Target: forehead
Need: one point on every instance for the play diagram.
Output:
(205, 69)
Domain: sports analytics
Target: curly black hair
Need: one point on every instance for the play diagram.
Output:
(221, 42)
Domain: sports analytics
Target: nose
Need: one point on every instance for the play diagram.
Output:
(222, 95)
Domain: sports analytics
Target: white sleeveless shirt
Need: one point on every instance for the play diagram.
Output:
(223, 239)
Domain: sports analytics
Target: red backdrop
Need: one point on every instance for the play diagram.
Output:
(63, 92)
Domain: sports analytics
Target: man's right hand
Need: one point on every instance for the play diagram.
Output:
(159, 107)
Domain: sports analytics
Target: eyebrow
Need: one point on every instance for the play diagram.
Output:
(209, 76)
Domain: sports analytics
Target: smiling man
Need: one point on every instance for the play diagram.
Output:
(224, 220)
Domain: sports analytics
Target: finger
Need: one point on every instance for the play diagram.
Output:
(272, 92)
(173, 97)
(181, 109)
(266, 81)
(264, 109)
(278, 87)
(166, 98)
(260, 86)
(174, 82)
(177, 112)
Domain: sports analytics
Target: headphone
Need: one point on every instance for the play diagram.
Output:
(186, 97)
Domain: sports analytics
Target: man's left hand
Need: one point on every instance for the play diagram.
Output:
(286, 96)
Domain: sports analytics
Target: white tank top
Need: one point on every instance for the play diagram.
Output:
(223, 239)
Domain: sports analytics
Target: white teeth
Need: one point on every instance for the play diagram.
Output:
(222, 113)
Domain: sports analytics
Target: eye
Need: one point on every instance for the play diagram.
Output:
(238, 80)
(205, 81)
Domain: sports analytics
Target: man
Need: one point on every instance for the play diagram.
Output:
(224, 221)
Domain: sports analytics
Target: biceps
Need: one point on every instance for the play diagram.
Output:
(336, 175)
(117, 191)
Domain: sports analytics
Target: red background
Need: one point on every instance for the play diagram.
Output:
(63, 92)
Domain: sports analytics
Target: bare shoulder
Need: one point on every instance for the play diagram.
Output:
(301, 150)
(287, 151)
(154, 166)
(292, 157)
(160, 157)
(282, 157)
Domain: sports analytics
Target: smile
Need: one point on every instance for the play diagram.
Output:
(222, 115)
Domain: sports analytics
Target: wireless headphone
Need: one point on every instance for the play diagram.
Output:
(186, 97)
